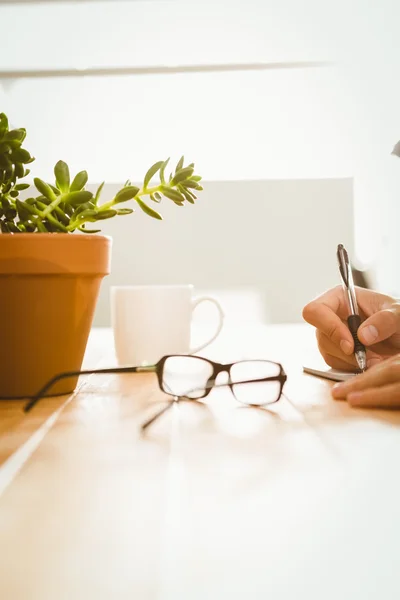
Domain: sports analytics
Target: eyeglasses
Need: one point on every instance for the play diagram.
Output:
(252, 382)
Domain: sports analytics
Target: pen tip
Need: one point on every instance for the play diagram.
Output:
(361, 360)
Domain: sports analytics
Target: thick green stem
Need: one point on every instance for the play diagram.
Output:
(52, 219)
(57, 211)
(40, 226)
(142, 192)
(52, 206)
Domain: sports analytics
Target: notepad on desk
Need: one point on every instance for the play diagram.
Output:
(328, 373)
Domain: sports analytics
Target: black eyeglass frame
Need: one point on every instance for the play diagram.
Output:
(219, 368)
(158, 368)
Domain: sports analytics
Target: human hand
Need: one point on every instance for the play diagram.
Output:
(378, 387)
(379, 331)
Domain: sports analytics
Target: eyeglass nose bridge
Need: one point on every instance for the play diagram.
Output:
(217, 370)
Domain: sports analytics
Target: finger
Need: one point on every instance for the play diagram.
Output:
(323, 313)
(387, 396)
(326, 346)
(384, 373)
(380, 326)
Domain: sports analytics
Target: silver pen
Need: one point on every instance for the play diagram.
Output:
(354, 320)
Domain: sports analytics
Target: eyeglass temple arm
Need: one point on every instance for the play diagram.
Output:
(210, 385)
(67, 374)
(171, 403)
(158, 414)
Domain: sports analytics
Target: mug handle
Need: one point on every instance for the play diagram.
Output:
(221, 316)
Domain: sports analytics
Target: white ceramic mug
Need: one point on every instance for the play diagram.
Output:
(150, 321)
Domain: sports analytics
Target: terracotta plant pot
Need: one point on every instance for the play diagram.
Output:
(49, 285)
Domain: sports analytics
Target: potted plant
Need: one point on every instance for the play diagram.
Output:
(52, 260)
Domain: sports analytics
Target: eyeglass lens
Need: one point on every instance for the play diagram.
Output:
(257, 393)
(189, 376)
(186, 376)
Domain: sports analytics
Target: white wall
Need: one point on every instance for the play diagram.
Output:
(315, 123)
(273, 240)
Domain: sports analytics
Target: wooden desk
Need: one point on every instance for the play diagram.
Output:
(213, 502)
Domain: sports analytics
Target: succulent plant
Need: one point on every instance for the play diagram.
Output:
(66, 206)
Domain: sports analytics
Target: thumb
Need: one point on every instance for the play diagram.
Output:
(380, 326)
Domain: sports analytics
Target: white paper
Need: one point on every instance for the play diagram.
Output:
(327, 373)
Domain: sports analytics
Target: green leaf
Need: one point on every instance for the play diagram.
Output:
(180, 164)
(25, 211)
(22, 186)
(82, 228)
(105, 214)
(5, 203)
(61, 172)
(21, 155)
(88, 213)
(4, 148)
(79, 182)
(149, 211)
(162, 170)
(11, 145)
(188, 195)
(182, 175)
(196, 178)
(82, 207)
(98, 193)
(155, 197)
(55, 189)
(12, 227)
(7, 187)
(127, 193)
(191, 184)
(15, 135)
(5, 162)
(75, 198)
(19, 170)
(151, 172)
(43, 199)
(44, 188)
(10, 214)
(27, 171)
(173, 195)
(14, 193)
(125, 211)
(3, 124)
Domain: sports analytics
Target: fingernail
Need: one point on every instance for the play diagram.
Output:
(369, 334)
(337, 390)
(346, 347)
(355, 398)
